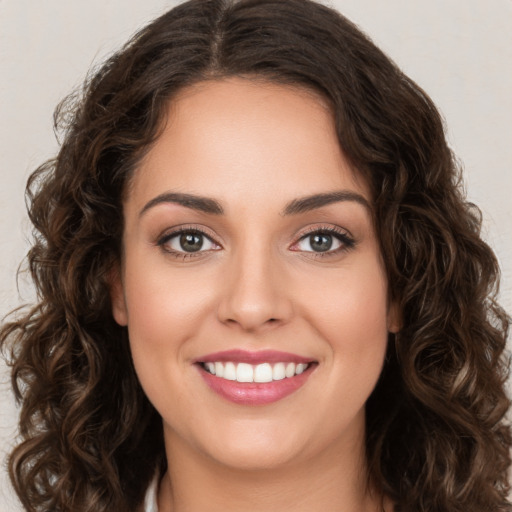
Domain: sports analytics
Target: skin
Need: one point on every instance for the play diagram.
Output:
(254, 147)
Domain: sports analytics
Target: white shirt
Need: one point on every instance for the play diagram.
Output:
(150, 501)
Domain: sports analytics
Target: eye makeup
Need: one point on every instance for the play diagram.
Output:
(193, 241)
(321, 240)
(186, 242)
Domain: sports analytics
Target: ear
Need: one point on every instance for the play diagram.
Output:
(394, 318)
(119, 310)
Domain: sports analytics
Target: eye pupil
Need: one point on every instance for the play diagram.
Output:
(191, 242)
(320, 242)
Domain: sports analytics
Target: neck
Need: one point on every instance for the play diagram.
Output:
(332, 480)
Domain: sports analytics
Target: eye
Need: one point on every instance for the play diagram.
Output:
(324, 241)
(187, 242)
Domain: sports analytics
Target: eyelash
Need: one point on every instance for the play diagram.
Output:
(347, 242)
(193, 230)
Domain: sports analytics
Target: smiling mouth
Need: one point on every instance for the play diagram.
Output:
(255, 384)
(260, 373)
(255, 377)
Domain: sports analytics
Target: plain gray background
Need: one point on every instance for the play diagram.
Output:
(459, 51)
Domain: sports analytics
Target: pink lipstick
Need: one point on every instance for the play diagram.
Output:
(254, 378)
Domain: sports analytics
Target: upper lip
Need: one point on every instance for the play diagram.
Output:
(258, 357)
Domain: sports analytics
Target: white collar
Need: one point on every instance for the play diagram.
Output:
(150, 501)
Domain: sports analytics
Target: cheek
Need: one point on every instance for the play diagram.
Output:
(163, 301)
(349, 304)
(164, 311)
(350, 314)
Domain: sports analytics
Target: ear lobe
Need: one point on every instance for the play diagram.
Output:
(394, 318)
(119, 310)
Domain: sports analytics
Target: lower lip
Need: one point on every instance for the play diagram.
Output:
(255, 393)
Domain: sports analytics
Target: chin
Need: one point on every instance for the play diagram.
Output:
(244, 458)
(256, 448)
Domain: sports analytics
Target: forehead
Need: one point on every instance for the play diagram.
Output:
(239, 138)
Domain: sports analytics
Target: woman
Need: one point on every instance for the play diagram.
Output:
(260, 284)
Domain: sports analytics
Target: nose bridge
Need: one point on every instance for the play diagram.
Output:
(254, 294)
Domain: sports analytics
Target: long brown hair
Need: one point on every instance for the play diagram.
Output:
(91, 441)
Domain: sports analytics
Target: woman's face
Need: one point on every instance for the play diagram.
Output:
(249, 249)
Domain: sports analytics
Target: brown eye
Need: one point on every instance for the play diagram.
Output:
(191, 242)
(187, 241)
(324, 241)
(320, 242)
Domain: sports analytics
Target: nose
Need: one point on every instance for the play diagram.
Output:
(254, 295)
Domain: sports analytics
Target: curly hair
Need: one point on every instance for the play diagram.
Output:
(436, 435)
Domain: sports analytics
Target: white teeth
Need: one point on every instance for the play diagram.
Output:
(278, 372)
(244, 372)
(230, 371)
(263, 373)
(219, 369)
(300, 368)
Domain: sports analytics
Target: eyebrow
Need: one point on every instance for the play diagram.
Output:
(312, 202)
(297, 206)
(202, 204)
